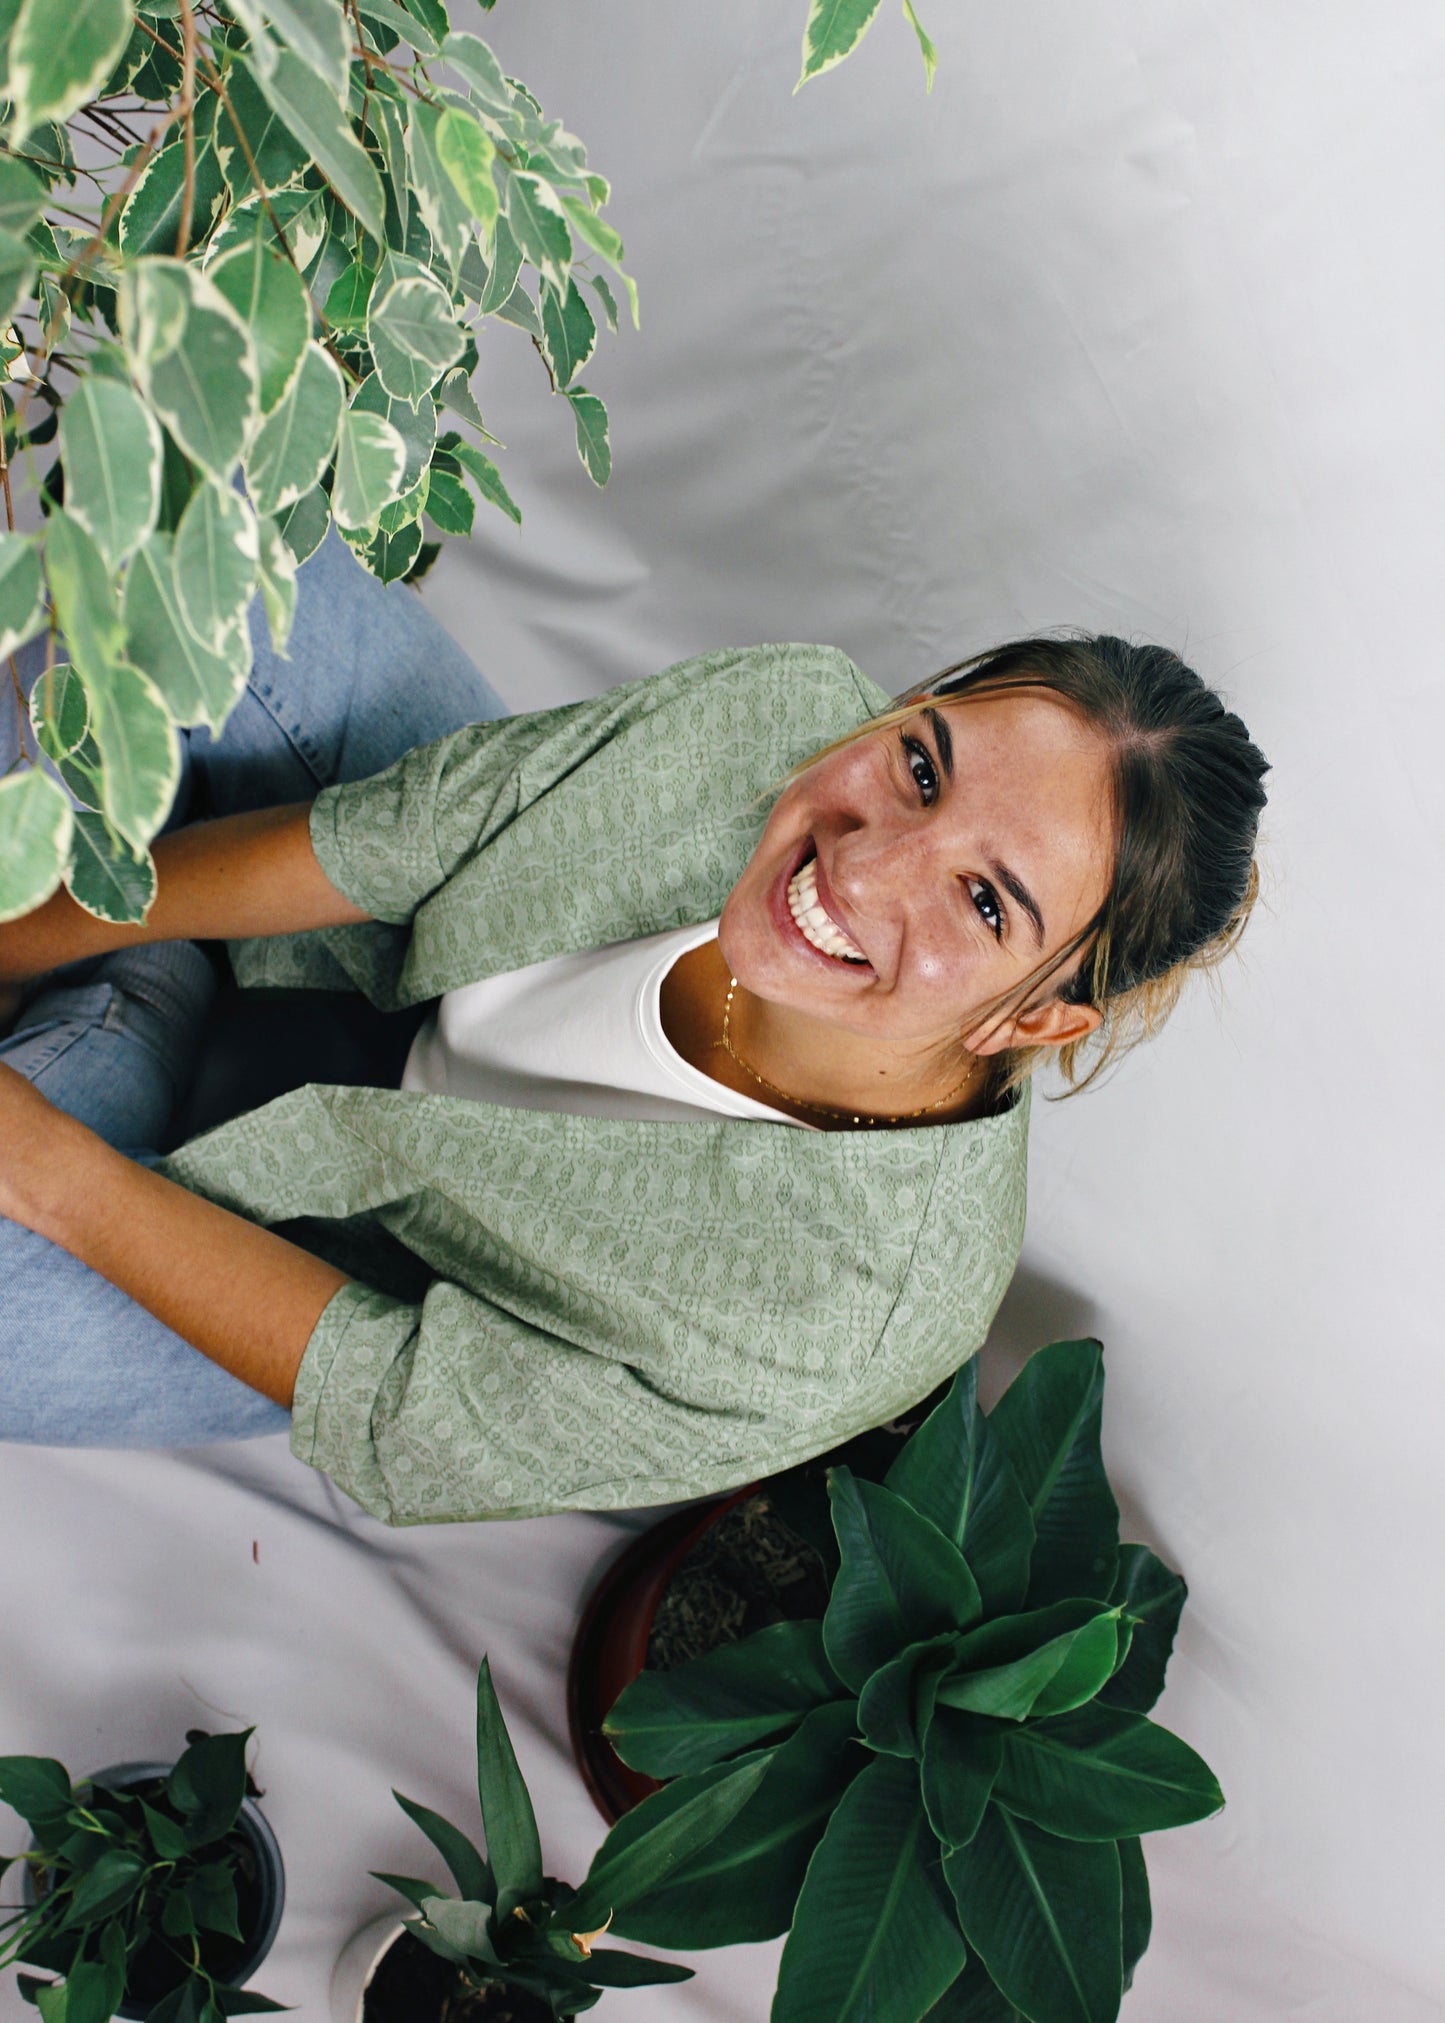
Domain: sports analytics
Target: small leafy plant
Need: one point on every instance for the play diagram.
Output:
(136, 1888)
(509, 1924)
(941, 1786)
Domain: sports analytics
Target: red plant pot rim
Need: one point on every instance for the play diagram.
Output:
(610, 1647)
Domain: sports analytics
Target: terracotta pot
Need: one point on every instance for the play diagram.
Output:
(610, 1647)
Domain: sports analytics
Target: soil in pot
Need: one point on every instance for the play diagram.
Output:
(413, 1985)
(749, 1570)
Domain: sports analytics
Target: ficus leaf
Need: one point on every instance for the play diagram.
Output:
(107, 876)
(110, 444)
(35, 830)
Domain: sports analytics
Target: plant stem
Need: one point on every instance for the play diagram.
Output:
(188, 108)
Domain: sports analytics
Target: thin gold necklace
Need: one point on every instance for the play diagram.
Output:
(822, 1109)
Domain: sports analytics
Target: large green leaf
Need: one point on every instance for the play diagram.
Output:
(478, 66)
(266, 293)
(246, 117)
(487, 477)
(304, 524)
(307, 105)
(569, 334)
(35, 827)
(51, 73)
(502, 274)
(59, 711)
(215, 563)
(151, 220)
(413, 334)
(84, 596)
(471, 1874)
(1153, 1597)
(293, 445)
(1044, 1916)
(668, 1723)
(834, 29)
(445, 212)
(743, 1884)
(192, 356)
(318, 32)
(896, 1706)
(873, 1934)
(973, 1998)
(511, 1827)
(199, 686)
(22, 592)
(1042, 1663)
(137, 743)
(208, 1784)
(539, 226)
(961, 1759)
(296, 218)
(629, 1868)
(900, 1580)
(108, 1887)
(110, 445)
(37, 1787)
(370, 459)
(21, 195)
(1102, 1774)
(1138, 1913)
(417, 427)
(954, 1471)
(1049, 1420)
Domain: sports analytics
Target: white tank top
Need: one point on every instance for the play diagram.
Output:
(581, 1033)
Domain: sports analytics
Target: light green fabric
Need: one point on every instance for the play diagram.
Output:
(556, 1312)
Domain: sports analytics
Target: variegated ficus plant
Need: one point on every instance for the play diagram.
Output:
(938, 1790)
(247, 250)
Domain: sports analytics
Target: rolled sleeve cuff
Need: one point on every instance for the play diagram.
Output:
(354, 1349)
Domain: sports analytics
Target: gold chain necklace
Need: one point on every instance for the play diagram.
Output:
(822, 1109)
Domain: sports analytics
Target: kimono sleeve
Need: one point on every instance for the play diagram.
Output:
(455, 1410)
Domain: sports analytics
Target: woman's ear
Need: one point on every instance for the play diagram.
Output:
(1052, 1024)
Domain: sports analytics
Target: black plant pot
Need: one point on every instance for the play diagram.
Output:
(261, 1891)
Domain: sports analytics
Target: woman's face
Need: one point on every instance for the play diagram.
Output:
(910, 879)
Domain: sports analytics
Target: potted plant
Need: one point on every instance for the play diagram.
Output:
(505, 1948)
(153, 1891)
(944, 1781)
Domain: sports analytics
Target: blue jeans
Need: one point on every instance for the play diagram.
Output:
(113, 1041)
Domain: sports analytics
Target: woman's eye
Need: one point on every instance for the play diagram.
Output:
(925, 774)
(985, 900)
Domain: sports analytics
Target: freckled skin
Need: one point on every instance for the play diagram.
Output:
(1030, 789)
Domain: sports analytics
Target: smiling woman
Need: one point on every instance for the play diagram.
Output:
(709, 1147)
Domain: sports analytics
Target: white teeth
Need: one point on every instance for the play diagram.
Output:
(813, 923)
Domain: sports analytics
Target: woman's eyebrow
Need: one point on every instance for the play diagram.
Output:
(1019, 892)
(943, 738)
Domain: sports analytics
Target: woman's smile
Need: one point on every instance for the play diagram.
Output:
(817, 923)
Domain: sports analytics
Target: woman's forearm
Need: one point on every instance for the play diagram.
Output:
(242, 1296)
(215, 881)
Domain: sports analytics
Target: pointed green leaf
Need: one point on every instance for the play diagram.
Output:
(667, 1723)
(484, 76)
(468, 154)
(21, 196)
(84, 596)
(627, 1870)
(465, 1926)
(930, 54)
(446, 215)
(417, 427)
(539, 226)
(1102, 1774)
(834, 29)
(999, 1671)
(110, 445)
(151, 219)
(211, 1894)
(370, 458)
(293, 446)
(266, 293)
(961, 1761)
(900, 1579)
(502, 274)
(413, 334)
(488, 479)
(215, 563)
(167, 1838)
(592, 442)
(108, 1887)
(449, 504)
(297, 218)
(278, 584)
(59, 711)
(51, 74)
(245, 116)
(1153, 1597)
(208, 1785)
(973, 1998)
(592, 230)
(17, 274)
(569, 335)
(1043, 1914)
(1049, 1421)
(137, 742)
(37, 1787)
(35, 827)
(897, 1704)
(347, 299)
(611, 1969)
(954, 1471)
(193, 358)
(318, 32)
(469, 1871)
(742, 1885)
(873, 1933)
(606, 297)
(303, 524)
(199, 686)
(1138, 1914)
(511, 1826)
(307, 105)
(107, 876)
(22, 592)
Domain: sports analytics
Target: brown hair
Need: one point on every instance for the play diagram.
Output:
(1187, 798)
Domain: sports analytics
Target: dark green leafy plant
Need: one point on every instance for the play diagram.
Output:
(941, 1786)
(507, 1924)
(134, 1888)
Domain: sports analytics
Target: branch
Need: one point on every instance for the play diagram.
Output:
(187, 107)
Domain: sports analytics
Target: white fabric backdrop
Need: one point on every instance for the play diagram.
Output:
(1133, 324)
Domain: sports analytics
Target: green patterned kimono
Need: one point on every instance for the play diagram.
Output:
(553, 1312)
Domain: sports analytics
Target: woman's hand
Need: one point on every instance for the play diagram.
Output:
(245, 1298)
